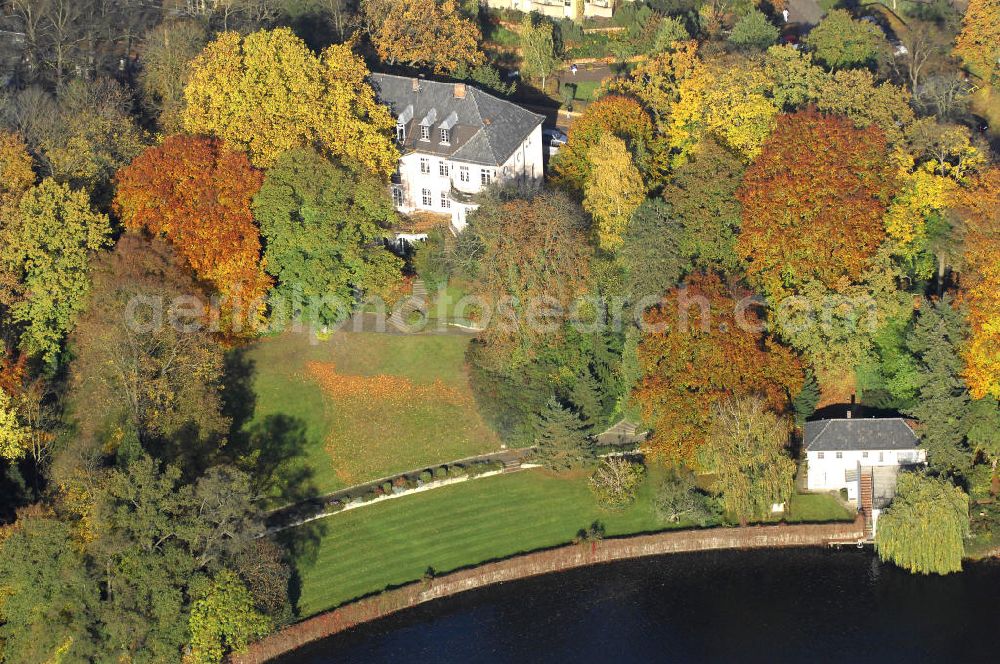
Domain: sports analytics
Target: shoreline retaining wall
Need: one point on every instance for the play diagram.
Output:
(543, 562)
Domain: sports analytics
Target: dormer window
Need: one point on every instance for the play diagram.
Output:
(425, 124)
(445, 136)
(425, 133)
(401, 121)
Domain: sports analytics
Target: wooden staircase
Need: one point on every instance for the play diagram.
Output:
(418, 300)
(866, 493)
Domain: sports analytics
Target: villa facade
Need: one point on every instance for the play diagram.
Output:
(455, 141)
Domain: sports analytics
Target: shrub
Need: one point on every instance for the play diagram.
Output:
(430, 260)
(678, 499)
(426, 476)
(754, 31)
(387, 487)
(456, 471)
(440, 472)
(400, 482)
(616, 482)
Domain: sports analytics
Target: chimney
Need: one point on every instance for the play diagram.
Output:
(849, 414)
(416, 84)
(460, 91)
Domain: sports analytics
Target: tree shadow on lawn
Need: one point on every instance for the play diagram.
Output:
(273, 452)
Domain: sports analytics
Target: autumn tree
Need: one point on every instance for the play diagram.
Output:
(14, 437)
(268, 93)
(813, 203)
(196, 193)
(730, 99)
(747, 443)
(16, 172)
(324, 227)
(979, 206)
(167, 55)
(840, 41)
(978, 44)
(531, 261)
(223, 619)
(702, 325)
(613, 114)
(655, 81)
(423, 33)
(854, 94)
(538, 52)
(145, 361)
(924, 529)
(613, 191)
(615, 483)
(46, 248)
(87, 136)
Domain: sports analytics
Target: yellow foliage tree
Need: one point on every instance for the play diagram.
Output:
(16, 173)
(733, 101)
(613, 191)
(268, 93)
(423, 33)
(14, 438)
(979, 206)
(978, 44)
(656, 81)
(854, 94)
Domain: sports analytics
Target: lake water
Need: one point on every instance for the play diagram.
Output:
(801, 605)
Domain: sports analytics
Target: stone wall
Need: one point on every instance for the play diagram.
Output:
(544, 562)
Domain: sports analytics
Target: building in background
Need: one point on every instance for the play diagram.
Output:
(574, 9)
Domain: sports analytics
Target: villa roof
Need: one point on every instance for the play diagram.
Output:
(483, 129)
(859, 434)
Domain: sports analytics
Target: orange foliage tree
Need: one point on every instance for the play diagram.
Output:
(814, 202)
(979, 206)
(701, 345)
(196, 193)
(622, 116)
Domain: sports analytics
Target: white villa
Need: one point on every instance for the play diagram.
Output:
(560, 8)
(456, 140)
(861, 455)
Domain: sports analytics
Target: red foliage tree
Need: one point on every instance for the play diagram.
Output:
(703, 344)
(813, 203)
(196, 193)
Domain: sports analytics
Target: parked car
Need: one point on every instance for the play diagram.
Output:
(553, 136)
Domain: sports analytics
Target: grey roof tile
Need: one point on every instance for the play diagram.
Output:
(486, 131)
(859, 434)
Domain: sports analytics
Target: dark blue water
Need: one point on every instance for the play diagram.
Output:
(802, 605)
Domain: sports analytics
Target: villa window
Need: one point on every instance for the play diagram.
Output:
(840, 455)
(463, 173)
(425, 165)
(425, 197)
(443, 168)
(397, 197)
(485, 177)
(819, 455)
(445, 201)
(864, 455)
(425, 133)
(881, 456)
(445, 136)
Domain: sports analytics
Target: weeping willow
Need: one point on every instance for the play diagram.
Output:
(924, 528)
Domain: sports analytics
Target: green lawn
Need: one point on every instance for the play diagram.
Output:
(366, 550)
(816, 507)
(370, 405)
